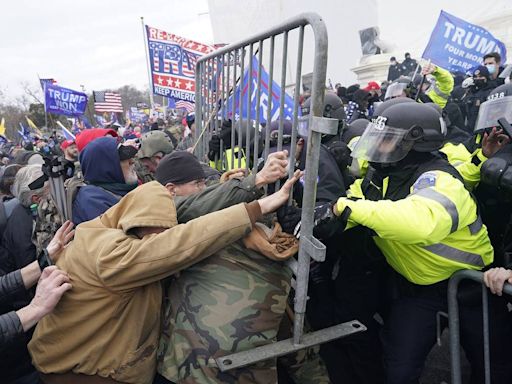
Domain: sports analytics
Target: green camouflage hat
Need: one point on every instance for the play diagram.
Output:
(153, 142)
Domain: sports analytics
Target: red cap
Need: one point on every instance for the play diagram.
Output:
(88, 135)
(372, 86)
(66, 143)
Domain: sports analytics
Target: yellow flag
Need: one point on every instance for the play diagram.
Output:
(2, 127)
(33, 126)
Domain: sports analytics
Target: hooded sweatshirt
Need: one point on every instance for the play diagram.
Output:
(108, 324)
(104, 177)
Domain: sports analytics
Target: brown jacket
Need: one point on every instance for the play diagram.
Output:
(109, 323)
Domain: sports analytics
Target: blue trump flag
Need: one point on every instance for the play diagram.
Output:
(274, 90)
(459, 46)
(64, 101)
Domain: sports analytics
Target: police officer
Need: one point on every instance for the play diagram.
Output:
(225, 155)
(426, 224)
(479, 88)
(345, 286)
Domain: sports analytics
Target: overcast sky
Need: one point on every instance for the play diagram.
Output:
(97, 43)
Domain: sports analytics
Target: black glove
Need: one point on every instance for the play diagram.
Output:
(214, 148)
(326, 223)
(341, 153)
(289, 218)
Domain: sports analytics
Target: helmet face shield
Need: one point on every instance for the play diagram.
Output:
(395, 90)
(385, 144)
(492, 110)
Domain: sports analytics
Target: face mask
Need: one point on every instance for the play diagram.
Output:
(491, 68)
(479, 83)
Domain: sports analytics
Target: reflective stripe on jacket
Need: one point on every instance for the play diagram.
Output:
(428, 235)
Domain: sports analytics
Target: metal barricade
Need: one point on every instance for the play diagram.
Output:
(220, 77)
(454, 322)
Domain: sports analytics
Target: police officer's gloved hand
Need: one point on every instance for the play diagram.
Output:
(214, 148)
(325, 221)
(289, 218)
(341, 153)
(225, 134)
(468, 82)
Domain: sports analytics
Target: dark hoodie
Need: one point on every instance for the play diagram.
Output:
(104, 178)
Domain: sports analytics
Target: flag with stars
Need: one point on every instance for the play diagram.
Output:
(173, 62)
(275, 90)
(459, 46)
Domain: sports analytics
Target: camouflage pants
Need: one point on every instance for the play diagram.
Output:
(230, 302)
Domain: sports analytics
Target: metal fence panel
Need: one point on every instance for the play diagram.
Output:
(454, 322)
(221, 78)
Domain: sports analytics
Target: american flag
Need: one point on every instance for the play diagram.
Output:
(107, 102)
(187, 105)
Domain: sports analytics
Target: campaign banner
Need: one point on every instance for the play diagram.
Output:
(267, 91)
(64, 101)
(173, 63)
(136, 115)
(459, 46)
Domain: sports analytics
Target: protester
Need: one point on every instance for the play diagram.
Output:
(70, 150)
(492, 62)
(88, 135)
(109, 172)
(17, 248)
(154, 146)
(221, 327)
(116, 263)
(358, 108)
(51, 286)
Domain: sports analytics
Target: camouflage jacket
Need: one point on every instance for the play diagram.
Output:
(230, 302)
(143, 174)
(48, 221)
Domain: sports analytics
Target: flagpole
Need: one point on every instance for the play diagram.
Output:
(91, 115)
(44, 102)
(145, 38)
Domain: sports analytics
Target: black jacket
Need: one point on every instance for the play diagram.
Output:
(10, 324)
(473, 100)
(15, 360)
(394, 72)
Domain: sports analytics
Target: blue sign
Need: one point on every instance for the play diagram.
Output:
(275, 91)
(459, 46)
(137, 116)
(64, 101)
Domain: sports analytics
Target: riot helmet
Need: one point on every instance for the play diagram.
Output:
(398, 130)
(501, 91)
(354, 129)
(388, 103)
(493, 110)
(332, 108)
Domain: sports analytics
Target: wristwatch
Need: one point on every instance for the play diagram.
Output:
(43, 259)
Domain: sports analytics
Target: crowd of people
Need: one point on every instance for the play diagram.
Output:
(168, 262)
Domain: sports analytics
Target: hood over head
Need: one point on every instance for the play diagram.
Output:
(100, 161)
(149, 205)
